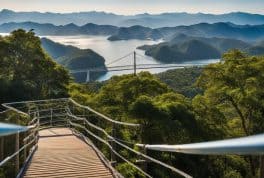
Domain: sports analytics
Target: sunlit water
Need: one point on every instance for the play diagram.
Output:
(112, 50)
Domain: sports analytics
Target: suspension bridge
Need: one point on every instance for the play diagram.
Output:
(136, 64)
(62, 138)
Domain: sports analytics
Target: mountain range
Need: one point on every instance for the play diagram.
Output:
(220, 29)
(69, 29)
(183, 47)
(147, 20)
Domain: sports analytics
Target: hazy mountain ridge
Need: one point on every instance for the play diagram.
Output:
(69, 29)
(222, 30)
(148, 20)
(136, 32)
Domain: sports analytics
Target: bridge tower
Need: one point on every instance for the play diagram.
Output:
(87, 76)
(135, 63)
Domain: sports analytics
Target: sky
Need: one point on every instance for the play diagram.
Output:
(129, 7)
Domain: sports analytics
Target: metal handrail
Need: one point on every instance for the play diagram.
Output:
(110, 147)
(125, 146)
(108, 138)
(36, 101)
(251, 145)
(8, 158)
(103, 116)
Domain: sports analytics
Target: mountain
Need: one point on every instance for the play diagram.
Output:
(79, 18)
(221, 30)
(148, 20)
(182, 48)
(69, 29)
(221, 44)
(136, 32)
(256, 50)
(176, 19)
(189, 50)
(74, 58)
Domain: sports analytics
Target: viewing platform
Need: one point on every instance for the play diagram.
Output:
(62, 138)
(61, 153)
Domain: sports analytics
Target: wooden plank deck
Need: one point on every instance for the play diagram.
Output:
(62, 154)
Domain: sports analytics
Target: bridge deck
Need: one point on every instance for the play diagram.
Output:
(62, 154)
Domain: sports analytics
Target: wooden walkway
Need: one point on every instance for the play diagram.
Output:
(62, 154)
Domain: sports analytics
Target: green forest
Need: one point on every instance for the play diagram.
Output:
(222, 100)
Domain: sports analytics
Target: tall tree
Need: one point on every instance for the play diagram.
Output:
(26, 71)
(234, 87)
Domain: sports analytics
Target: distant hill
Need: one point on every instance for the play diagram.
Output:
(136, 32)
(188, 50)
(220, 30)
(69, 29)
(148, 20)
(183, 48)
(74, 58)
(221, 44)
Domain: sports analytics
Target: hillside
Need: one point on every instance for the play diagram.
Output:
(74, 58)
(148, 20)
(136, 32)
(222, 44)
(189, 50)
(182, 80)
(182, 48)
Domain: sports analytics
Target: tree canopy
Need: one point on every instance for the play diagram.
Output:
(26, 71)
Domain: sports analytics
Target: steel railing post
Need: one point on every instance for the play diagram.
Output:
(2, 148)
(17, 156)
(113, 145)
(51, 115)
(25, 152)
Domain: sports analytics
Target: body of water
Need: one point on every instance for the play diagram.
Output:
(112, 50)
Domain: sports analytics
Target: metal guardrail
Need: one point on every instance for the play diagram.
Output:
(28, 146)
(251, 145)
(70, 120)
(123, 146)
(103, 116)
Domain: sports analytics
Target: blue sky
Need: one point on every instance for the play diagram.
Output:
(136, 6)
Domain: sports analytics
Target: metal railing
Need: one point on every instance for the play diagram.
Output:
(58, 112)
(251, 145)
(47, 114)
(29, 145)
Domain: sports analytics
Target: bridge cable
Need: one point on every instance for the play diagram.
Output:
(116, 60)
